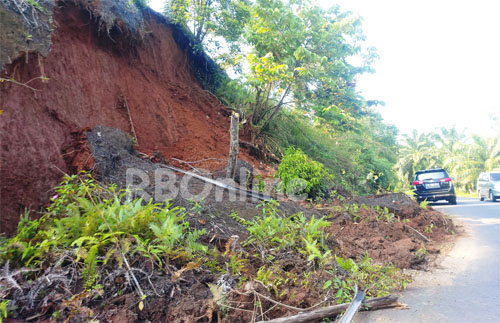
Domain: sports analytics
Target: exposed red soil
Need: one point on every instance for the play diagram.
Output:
(91, 77)
(353, 231)
(391, 240)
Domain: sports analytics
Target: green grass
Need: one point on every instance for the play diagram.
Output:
(461, 193)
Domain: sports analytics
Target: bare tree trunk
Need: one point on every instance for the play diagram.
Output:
(374, 303)
(233, 146)
(277, 108)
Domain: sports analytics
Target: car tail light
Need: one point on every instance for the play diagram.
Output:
(447, 179)
(417, 182)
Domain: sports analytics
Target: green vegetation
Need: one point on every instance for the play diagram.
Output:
(300, 174)
(361, 160)
(101, 223)
(375, 280)
(3, 309)
(273, 235)
(463, 157)
(37, 6)
(424, 204)
(294, 81)
(295, 84)
(96, 231)
(297, 232)
(210, 19)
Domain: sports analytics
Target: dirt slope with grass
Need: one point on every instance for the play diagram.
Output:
(231, 263)
(118, 89)
(99, 71)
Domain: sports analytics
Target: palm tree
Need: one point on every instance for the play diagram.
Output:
(451, 150)
(482, 156)
(418, 152)
(450, 140)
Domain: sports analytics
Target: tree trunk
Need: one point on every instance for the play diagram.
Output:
(233, 146)
(277, 108)
(374, 303)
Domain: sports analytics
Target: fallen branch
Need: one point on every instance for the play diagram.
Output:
(285, 305)
(418, 234)
(372, 304)
(199, 161)
(192, 167)
(21, 12)
(246, 143)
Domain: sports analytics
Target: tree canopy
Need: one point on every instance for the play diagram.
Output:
(291, 58)
(464, 157)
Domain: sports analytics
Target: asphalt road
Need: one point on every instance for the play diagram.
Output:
(465, 286)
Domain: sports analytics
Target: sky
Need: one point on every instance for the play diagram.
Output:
(439, 61)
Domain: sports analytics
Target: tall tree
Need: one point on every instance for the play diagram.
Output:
(300, 56)
(418, 152)
(482, 155)
(208, 19)
(452, 148)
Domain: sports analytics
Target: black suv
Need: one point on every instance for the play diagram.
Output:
(434, 185)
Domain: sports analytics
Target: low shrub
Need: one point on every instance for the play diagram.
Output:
(301, 174)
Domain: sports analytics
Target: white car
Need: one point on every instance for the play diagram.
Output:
(488, 185)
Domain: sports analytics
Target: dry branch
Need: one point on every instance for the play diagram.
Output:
(130, 119)
(418, 234)
(22, 84)
(372, 304)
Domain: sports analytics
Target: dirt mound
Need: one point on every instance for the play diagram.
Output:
(398, 203)
(113, 155)
(256, 274)
(98, 77)
(390, 228)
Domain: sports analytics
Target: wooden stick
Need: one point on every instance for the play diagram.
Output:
(130, 119)
(285, 305)
(418, 234)
(373, 304)
(233, 146)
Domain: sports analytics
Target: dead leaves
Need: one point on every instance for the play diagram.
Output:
(189, 266)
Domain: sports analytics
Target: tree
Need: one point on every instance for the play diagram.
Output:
(299, 57)
(418, 152)
(482, 156)
(208, 19)
(452, 148)
(464, 158)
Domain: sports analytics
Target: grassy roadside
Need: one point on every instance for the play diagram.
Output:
(465, 194)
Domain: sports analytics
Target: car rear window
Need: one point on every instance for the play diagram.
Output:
(495, 176)
(432, 175)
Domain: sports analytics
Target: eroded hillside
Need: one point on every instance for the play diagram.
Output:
(107, 65)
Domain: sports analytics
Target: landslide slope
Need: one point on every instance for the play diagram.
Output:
(133, 72)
